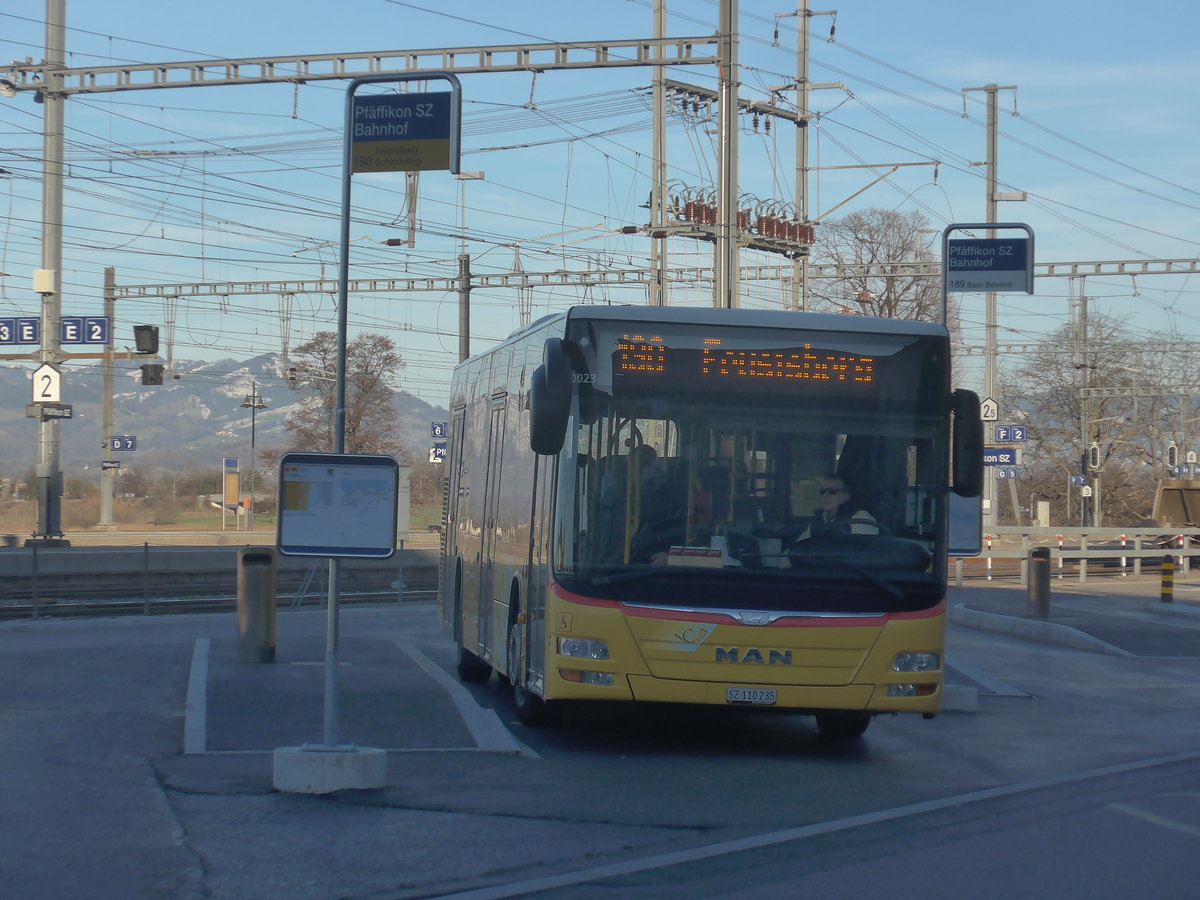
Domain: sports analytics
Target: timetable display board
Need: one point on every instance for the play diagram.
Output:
(337, 505)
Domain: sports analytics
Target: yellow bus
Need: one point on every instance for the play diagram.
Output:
(705, 506)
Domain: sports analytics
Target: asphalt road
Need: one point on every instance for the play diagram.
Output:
(1076, 775)
(1129, 831)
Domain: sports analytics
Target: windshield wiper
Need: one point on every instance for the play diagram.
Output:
(628, 576)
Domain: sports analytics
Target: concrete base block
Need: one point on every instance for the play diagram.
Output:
(959, 698)
(317, 770)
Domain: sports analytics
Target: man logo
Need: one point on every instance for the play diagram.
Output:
(754, 655)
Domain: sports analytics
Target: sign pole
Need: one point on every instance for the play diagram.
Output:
(399, 126)
(990, 265)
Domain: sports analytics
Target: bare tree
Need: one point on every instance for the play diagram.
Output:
(886, 240)
(1129, 399)
(372, 364)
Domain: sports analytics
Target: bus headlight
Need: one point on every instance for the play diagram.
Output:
(917, 662)
(583, 648)
(911, 690)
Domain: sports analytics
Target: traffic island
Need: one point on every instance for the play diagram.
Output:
(323, 770)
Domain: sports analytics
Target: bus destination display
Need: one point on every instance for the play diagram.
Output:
(645, 358)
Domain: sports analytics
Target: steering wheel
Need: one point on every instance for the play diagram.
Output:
(634, 440)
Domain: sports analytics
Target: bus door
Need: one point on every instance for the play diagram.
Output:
(491, 523)
(539, 570)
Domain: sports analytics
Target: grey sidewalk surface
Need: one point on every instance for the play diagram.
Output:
(1121, 616)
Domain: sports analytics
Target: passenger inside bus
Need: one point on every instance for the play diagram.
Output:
(654, 511)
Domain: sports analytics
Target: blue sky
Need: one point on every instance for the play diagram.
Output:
(233, 184)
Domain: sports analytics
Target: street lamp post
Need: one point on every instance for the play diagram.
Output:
(254, 402)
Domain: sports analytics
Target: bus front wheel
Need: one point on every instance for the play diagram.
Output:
(531, 709)
(842, 726)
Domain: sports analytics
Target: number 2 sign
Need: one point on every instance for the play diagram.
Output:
(47, 384)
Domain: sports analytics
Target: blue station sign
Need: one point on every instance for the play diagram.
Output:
(401, 132)
(83, 329)
(999, 456)
(988, 264)
(20, 330)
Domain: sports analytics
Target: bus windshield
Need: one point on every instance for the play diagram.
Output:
(680, 491)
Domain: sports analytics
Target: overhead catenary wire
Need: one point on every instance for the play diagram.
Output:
(589, 120)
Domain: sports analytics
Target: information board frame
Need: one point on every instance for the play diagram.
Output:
(340, 523)
(1023, 275)
(405, 132)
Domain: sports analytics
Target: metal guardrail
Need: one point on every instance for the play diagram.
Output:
(98, 580)
(1123, 552)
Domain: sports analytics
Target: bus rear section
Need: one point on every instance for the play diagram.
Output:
(735, 509)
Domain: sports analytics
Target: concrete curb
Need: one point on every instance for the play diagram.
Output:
(1186, 609)
(1033, 630)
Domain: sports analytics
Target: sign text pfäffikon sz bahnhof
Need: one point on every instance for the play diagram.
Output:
(401, 132)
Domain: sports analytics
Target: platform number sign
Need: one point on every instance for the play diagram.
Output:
(47, 384)
(1010, 434)
(83, 329)
(20, 330)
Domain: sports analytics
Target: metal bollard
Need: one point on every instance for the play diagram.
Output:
(1167, 595)
(256, 605)
(1038, 604)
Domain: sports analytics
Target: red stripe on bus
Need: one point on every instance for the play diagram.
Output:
(787, 621)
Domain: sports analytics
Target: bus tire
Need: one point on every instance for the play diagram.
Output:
(471, 668)
(842, 726)
(531, 709)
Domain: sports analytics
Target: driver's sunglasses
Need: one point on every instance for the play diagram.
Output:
(825, 491)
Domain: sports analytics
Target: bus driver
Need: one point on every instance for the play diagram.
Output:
(836, 514)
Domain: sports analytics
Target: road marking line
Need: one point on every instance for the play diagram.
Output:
(1173, 824)
(314, 662)
(770, 839)
(485, 726)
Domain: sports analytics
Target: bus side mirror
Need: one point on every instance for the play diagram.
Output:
(550, 399)
(965, 534)
(967, 464)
